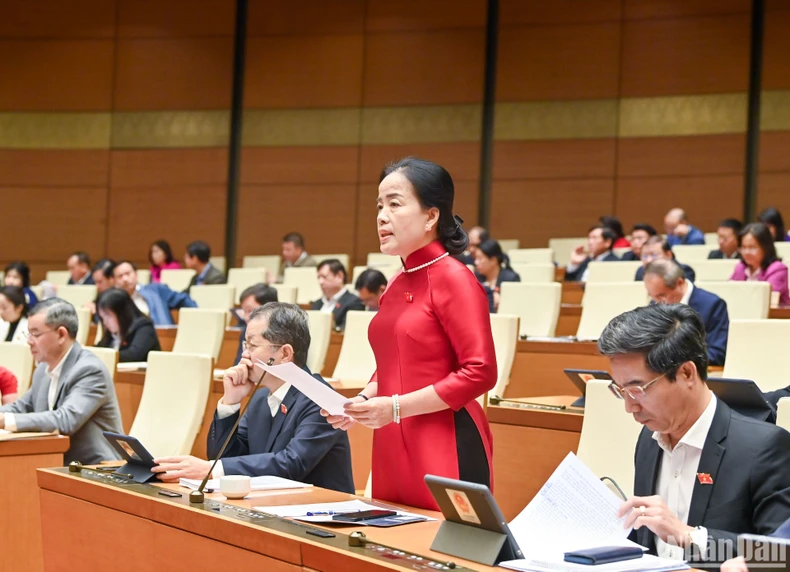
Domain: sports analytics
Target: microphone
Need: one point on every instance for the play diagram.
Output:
(496, 400)
(197, 497)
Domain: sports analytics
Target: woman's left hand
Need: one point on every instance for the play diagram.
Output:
(374, 413)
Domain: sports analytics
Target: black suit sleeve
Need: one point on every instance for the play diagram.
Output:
(141, 340)
(239, 444)
(718, 327)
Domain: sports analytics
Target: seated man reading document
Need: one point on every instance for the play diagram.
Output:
(703, 473)
(282, 432)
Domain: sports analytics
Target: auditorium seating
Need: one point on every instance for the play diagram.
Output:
(306, 282)
(536, 304)
(376, 259)
(713, 270)
(242, 278)
(177, 279)
(143, 276)
(757, 350)
(219, 263)
(603, 301)
(84, 321)
(108, 356)
(19, 361)
(200, 332)
(691, 253)
(343, 258)
(271, 262)
(286, 293)
(534, 272)
(532, 255)
(508, 244)
(563, 247)
(78, 296)
(745, 300)
(356, 361)
(504, 328)
(214, 296)
(320, 333)
(58, 277)
(623, 271)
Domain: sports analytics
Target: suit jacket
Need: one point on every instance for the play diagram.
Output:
(713, 311)
(87, 282)
(719, 255)
(747, 461)
(20, 334)
(630, 256)
(213, 276)
(347, 301)
(161, 300)
(85, 407)
(577, 274)
(140, 339)
(297, 443)
(688, 270)
(694, 236)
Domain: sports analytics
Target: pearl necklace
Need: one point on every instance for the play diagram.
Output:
(426, 265)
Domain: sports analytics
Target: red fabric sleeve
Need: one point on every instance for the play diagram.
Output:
(8, 382)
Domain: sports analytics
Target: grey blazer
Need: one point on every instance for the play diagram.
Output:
(85, 406)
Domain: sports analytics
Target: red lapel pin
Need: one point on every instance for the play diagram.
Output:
(704, 479)
(337, 305)
(409, 297)
(283, 408)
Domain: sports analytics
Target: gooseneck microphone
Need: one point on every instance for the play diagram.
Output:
(197, 497)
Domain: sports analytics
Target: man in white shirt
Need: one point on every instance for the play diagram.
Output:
(703, 473)
(336, 298)
(282, 433)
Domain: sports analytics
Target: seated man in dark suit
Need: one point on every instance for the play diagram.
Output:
(656, 249)
(72, 391)
(251, 298)
(336, 299)
(703, 473)
(197, 258)
(371, 285)
(639, 235)
(729, 234)
(599, 249)
(666, 284)
(79, 265)
(679, 230)
(153, 300)
(282, 432)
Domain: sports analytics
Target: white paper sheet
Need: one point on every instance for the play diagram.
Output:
(264, 483)
(132, 366)
(317, 392)
(299, 511)
(647, 563)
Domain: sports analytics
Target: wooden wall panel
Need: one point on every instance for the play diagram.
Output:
(706, 199)
(776, 50)
(324, 214)
(56, 75)
(681, 156)
(444, 67)
(657, 9)
(402, 15)
(177, 74)
(462, 160)
(57, 19)
(54, 168)
(139, 216)
(305, 17)
(535, 210)
(519, 12)
(164, 168)
(286, 72)
(568, 159)
(774, 192)
(666, 57)
(295, 165)
(774, 154)
(558, 62)
(175, 18)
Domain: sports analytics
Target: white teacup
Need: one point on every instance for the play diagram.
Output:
(235, 486)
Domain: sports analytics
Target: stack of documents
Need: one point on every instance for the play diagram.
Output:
(574, 510)
(266, 483)
(323, 512)
(132, 366)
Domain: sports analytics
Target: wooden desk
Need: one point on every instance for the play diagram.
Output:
(134, 530)
(572, 292)
(20, 520)
(529, 444)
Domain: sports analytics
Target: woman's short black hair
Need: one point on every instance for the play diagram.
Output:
(492, 249)
(434, 188)
(121, 304)
(22, 269)
(773, 217)
(613, 223)
(16, 296)
(165, 247)
(762, 235)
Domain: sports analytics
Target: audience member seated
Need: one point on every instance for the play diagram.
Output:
(728, 234)
(703, 473)
(125, 328)
(477, 235)
(613, 223)
(772, 218)
(282, 432)
(599, 248)
(197, 258)
(18, 274)
(79, 265)
(9, 385)
(667, 284)
(102, 273)
(251, 298)
(656, 249)
(336, 299)
(294, 254)
(493, 268)
(72, 391)
(161, 258)
(679, 231)
(639, 235)
(760, 262)
(371, 285)
(13, 315)
(153, 300)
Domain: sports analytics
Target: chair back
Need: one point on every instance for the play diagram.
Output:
(563, 247)
(213, 296)
(745, 300)
(200, 332)
(306, 282)
(320, 333)
(536, 304)
(285, 293)
(692, 253)
(58, 277)
(623, 271)
(243, 278)
(177, 279)
(84, 325)
(534, 271)
(504, 328)
(757, 350)
(108, 356)
(532, 255)
(603, 301)
(713, 270)
(17, 359)
(78, 296)
(356, 361)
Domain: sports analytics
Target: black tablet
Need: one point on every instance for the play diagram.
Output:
(580, 377)
(474, 527)
(743, 396)
(138, 460)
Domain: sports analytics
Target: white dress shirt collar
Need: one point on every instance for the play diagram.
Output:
(697, 433)
(329, 304)
(54, 378)
(276, 398)
(687, 296)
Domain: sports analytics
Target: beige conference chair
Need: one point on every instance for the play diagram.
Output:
(78, 296)
(243, 278)
(783, 413)
(534, 271)
(177, 279)
(509, 244)
(504, 328)
(84, 325)
(58, 277)
(108, 356)
(757, 350)
(692, 253)
(536, 305)
(609, 434)
(306, 282)
(531, 255)
(712, 238)
(745, 300)
(356, 361)
(320, 324)
(563, 247)
(285, 293)
(603, 301)
(143, 276)
(200, 332)
(19, 361)
(375, 259)
(174, 398)
(343, 258)
(213, 296)
(713, 270)
(219, 263)
(271, 262)
(387, 271)
(623, 271)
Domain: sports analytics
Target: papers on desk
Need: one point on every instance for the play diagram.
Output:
(317, 392)
(574, 510)
(265, 483)
(6, 435)
(552, 339)
(132, 366)
(326, 510)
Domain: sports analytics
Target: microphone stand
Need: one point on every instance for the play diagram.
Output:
(197, 497)
(496, 400)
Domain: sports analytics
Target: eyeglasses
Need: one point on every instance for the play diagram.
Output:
(635, 392)
(36, 335)
(247, 346)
